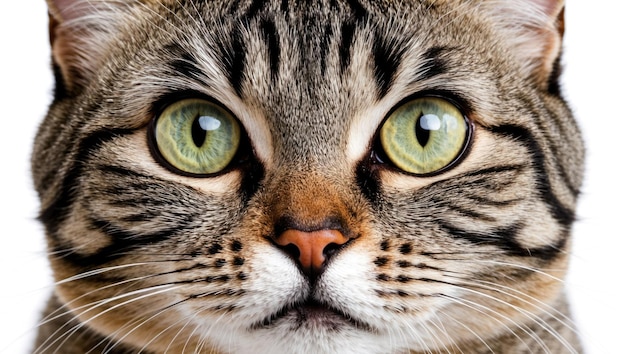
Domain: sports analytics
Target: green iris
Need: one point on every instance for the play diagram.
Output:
(424, 135)
(197, 137)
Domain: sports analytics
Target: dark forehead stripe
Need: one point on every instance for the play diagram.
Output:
(233, 59)
(388, 55)
(270, 34)
(255, 7)
(358, 17)
(433, 63)
(359, 12)
(345, 46)
(324, 44)
(260, 16)
(183, 63)
(236, 62)
(387, 51)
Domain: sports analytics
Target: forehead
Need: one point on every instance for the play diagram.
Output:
(304, 77)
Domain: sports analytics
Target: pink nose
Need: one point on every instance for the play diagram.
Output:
(313, 247)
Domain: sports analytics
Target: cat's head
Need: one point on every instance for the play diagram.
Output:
(284, 176)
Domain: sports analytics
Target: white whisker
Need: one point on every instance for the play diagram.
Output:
(496, 316)
(98, 271)
(526, 313)
(127, 332)
(160, 289)
(476, 335)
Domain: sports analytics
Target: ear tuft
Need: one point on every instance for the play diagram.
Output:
(68, 10)
(80, 31)
(534, 31)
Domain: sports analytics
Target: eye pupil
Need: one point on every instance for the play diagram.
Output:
(422, 130)
(198, 133)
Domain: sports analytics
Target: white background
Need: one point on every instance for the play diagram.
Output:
(593, 82)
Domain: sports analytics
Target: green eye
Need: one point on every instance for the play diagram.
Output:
(424, 135)
(197, 137)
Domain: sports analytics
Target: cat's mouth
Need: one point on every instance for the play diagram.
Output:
(313, 314)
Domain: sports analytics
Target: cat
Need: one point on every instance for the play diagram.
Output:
(325, 176)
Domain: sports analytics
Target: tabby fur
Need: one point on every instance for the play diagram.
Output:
(468, 260)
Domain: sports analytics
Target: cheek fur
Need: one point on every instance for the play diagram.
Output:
(311, 239)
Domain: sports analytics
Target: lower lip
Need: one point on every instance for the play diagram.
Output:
(313, 315)
(318, 316)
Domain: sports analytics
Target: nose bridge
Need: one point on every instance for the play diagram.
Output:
(308, 126)
(309, 201)
(312, 219)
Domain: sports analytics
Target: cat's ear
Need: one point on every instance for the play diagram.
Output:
(534, 30)
(79, 33)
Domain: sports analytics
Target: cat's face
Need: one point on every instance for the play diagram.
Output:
(290, 177)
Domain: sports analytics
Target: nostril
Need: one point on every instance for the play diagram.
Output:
(292, 250)
(331, 249)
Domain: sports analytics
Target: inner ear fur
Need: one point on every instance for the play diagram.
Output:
(80, 31)
(533, 29)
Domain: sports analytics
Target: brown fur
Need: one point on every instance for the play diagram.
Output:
(152, 259)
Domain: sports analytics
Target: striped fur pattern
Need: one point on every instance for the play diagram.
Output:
(467, 260)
